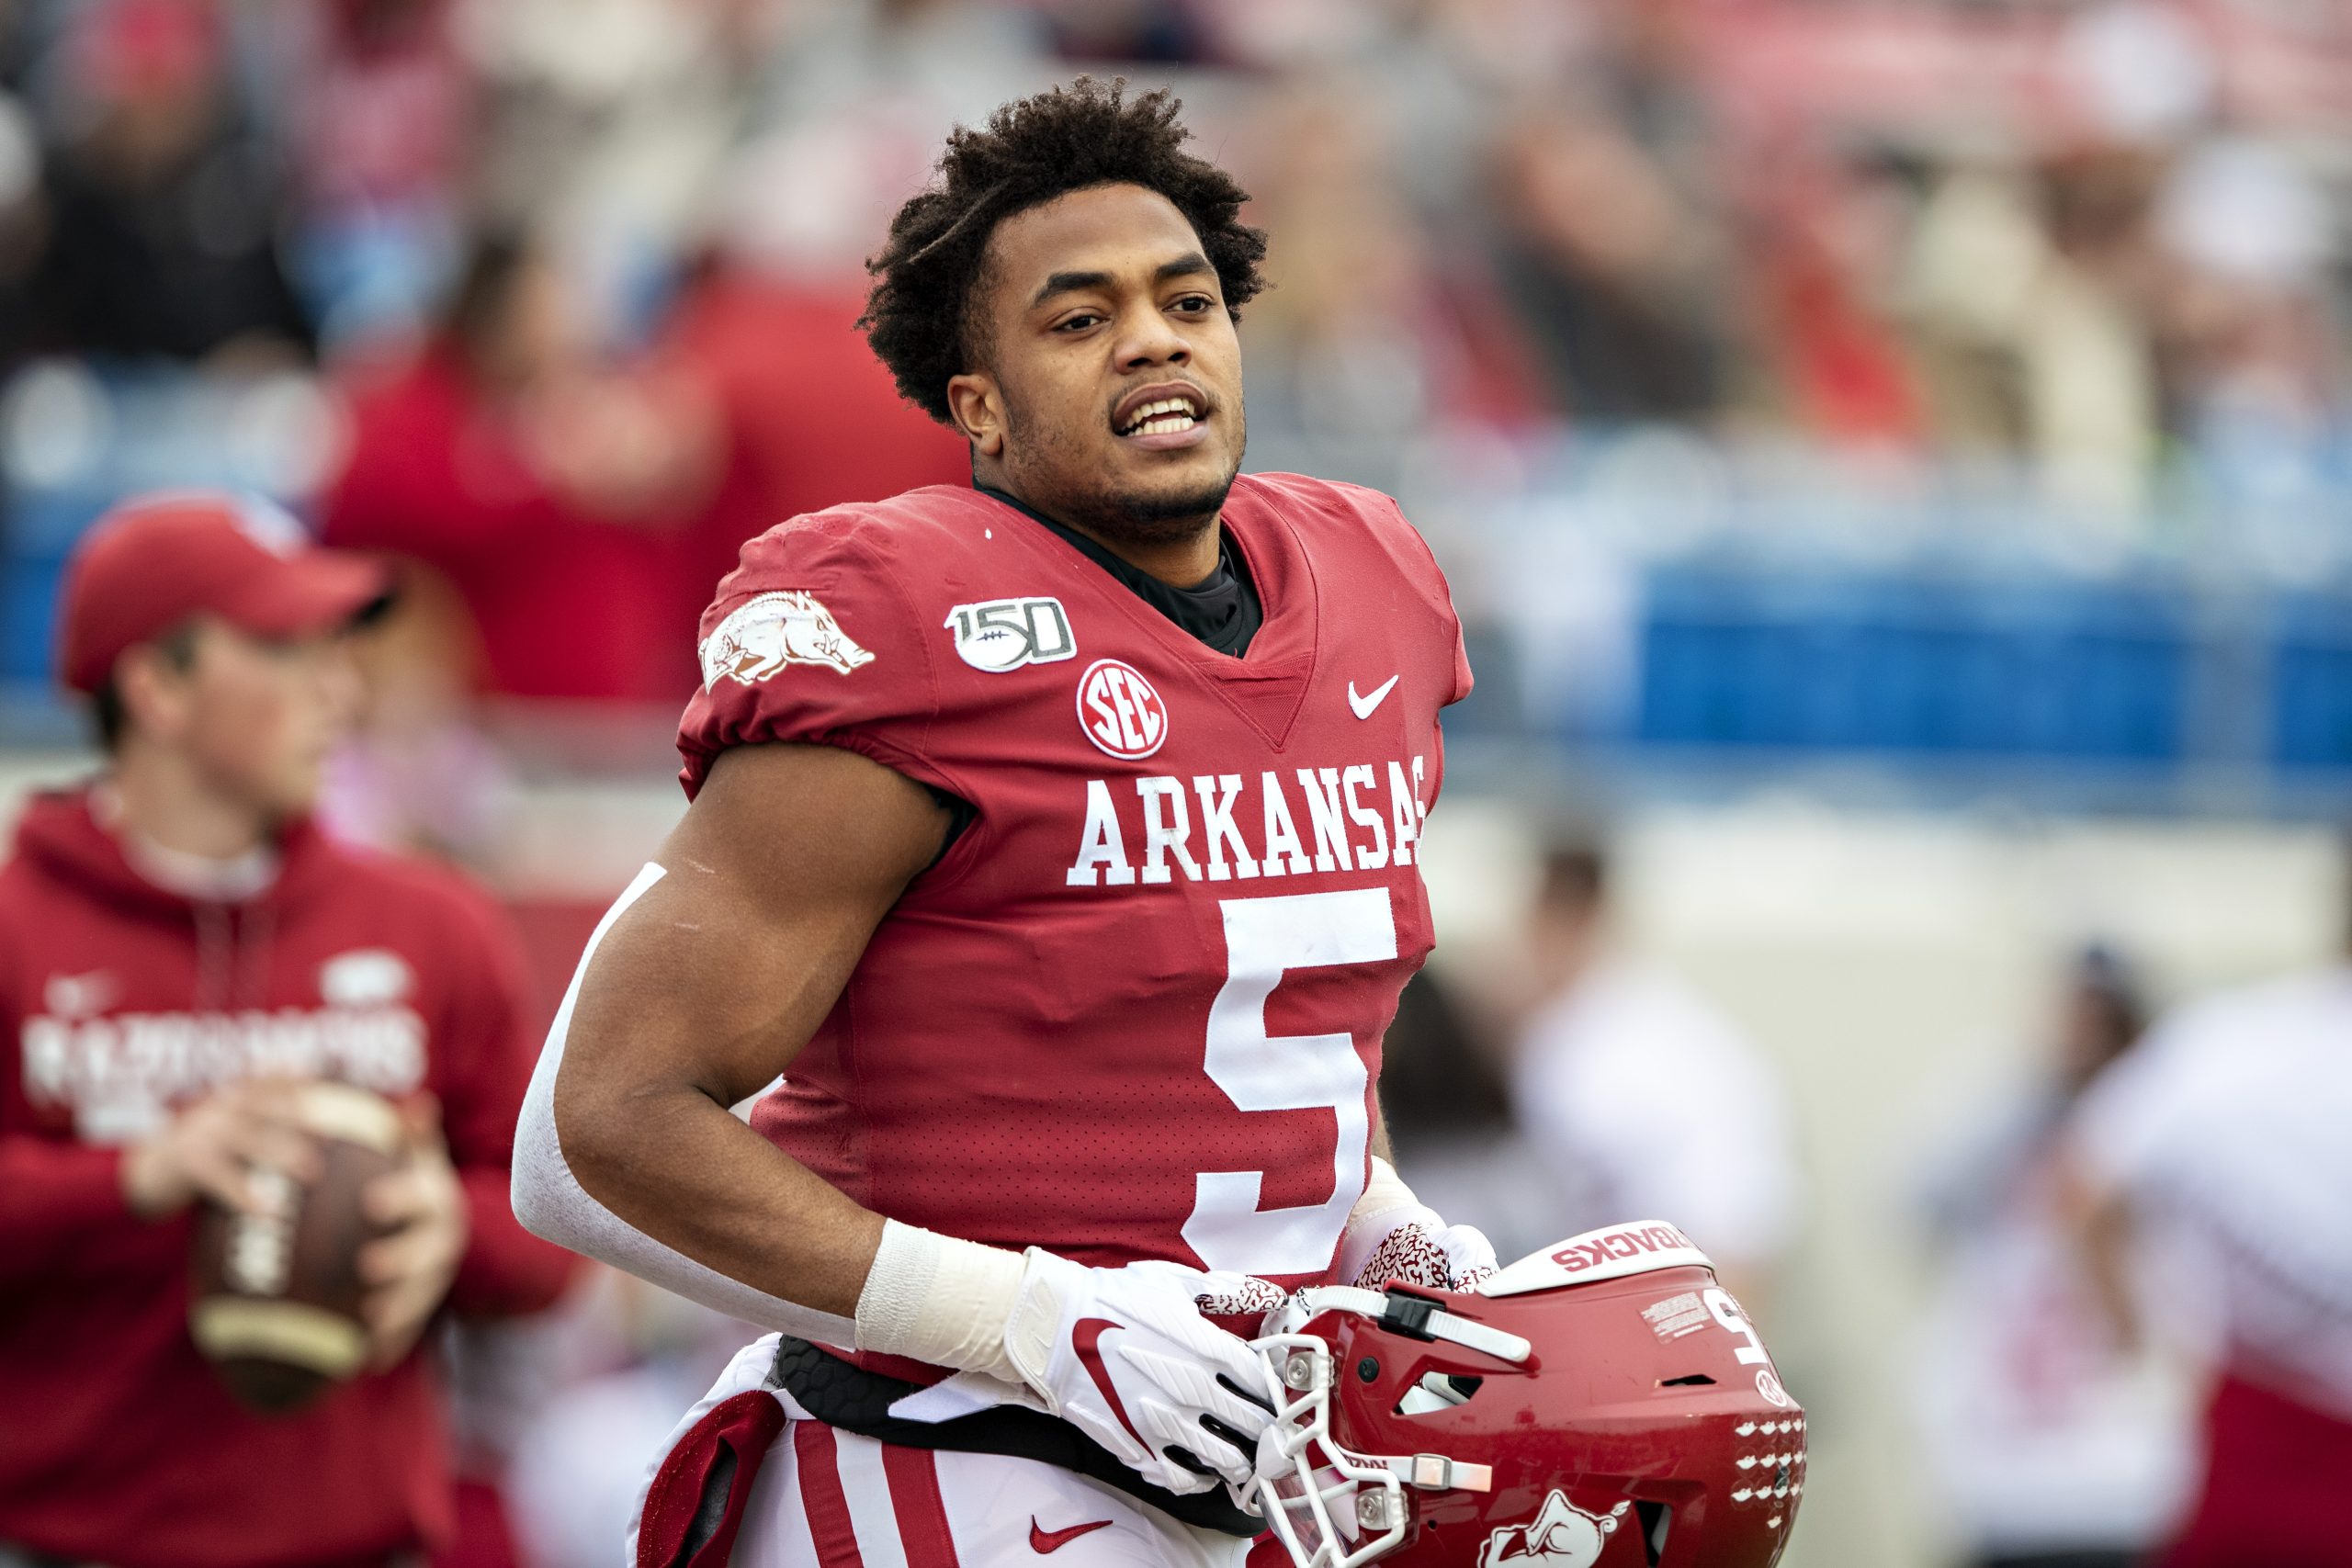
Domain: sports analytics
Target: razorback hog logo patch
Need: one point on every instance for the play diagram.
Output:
(1561, 1535)
(762, 636)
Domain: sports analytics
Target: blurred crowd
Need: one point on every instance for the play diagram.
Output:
(563, 289)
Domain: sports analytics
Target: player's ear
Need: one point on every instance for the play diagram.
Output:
(152, 683)
(976, 406)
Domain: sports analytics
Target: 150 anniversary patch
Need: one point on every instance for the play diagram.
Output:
(998, 635)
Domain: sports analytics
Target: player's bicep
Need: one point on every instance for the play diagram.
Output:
(772, 884)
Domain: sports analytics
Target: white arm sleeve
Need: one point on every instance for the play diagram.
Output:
(550, 1201)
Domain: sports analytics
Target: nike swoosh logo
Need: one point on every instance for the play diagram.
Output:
(1086, 1339)
(1363, 705)
(1042, 1542)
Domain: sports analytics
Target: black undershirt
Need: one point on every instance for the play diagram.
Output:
(1223, 611)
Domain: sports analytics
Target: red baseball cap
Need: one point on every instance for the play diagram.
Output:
(157, 559)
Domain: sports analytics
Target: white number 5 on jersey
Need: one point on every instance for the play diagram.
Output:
(1265, 937)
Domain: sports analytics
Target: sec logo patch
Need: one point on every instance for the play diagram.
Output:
(1119, 710)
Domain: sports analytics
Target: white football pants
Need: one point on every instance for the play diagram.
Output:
(826, 1498)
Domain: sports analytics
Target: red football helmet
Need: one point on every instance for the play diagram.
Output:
(1603, 1403)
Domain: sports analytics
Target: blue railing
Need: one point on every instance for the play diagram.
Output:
(1914, 666)
(76, 438)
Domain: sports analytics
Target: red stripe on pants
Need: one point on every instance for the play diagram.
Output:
(914, 1474)
(821, 1494)
(2275, 1483)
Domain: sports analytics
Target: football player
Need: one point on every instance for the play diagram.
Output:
(1051, 872)
(2216, 1148)
(180, 949)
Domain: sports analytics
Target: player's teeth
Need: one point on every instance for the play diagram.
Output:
(1139, 422)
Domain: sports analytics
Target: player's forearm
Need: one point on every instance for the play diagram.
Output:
(607, 1132)
(551, 1203)
(671, 1187)
(676, 1165)
(702, 1209)
(723, 959)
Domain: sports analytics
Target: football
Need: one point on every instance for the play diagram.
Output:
(994, 649)
(274, 1298)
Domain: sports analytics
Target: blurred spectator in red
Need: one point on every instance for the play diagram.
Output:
(164, 204)
(815, 419)
(2052, 1442)
(1616, 275)
(384, 103)
(1827, 253)
(770, 324)
(208, 642)
(552, 492)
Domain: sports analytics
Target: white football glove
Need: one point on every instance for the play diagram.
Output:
(1125, 1355)
(1449, 1258)
(1391, 1234)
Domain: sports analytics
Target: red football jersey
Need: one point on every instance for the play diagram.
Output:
(1135, 1010)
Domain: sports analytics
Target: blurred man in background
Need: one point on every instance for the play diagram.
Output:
(165, 205)
(179, 951)
(1640, 1099)
(551, 492)
(2054, 1443)
(2224, 1143)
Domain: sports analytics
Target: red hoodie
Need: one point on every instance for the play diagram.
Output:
(567, 604)
(117, 999)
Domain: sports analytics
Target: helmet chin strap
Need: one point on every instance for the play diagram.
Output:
(1416, 1318)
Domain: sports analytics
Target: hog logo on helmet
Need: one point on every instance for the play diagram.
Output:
(762, 636)
(1561, 1535)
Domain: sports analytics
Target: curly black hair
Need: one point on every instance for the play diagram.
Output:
(1034, 150)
